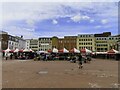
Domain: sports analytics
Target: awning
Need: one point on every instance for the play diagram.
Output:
(101, 52)
(85, 50)
(74, 50)
(55, 50)
(112, 51)
(49, 51)
(16, 50)
(7, 50)
(64, 50)
(31, 50)
(26, 50)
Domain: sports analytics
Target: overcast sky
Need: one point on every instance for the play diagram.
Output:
(46, 19)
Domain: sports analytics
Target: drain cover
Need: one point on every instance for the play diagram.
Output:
(43, 72)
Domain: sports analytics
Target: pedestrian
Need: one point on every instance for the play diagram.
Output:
(80, 66)
(11, 55)
(6, 56)
(74, 59)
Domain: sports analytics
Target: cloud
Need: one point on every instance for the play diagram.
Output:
(54, 21)
(33, 12)
(30, 14)
(97, 27)
(76, 18)
(85, 17)
(26, 32)
(92, 20)
(30, 22)
(104, 21)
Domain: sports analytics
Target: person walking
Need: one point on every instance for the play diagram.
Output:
(80, 66)
(11, 55)
(6, 56)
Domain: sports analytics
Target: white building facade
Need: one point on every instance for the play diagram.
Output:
(28, 43)
(13, 42)
(21, 43)
(45, 44)
(16, 42)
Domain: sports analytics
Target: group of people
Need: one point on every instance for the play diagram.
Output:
(80, 60)
(11, 56)
(46, 57)
(7, 56)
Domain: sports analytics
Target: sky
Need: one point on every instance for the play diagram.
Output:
(47, 19)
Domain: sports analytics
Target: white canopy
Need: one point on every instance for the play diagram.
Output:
(26, 50)
(31, 50)
(16, 50)
(55, 50)
(75, 50)
(101, 52)
(112, 51)
(88, 51)
(38, 52)
(64, 50)
(7, 50)
(85, 50)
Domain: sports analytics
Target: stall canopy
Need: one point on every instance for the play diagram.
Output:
(16, 50)
(112, 51)
(74, 50)
(85, 50)
(31, 50)
(64, 50)
(7, 50)
(3, 50)
(49, 51)
(39, 52)
(100, 52)
(55, 50)
(12, 51)
(26, 50)
(21, 50)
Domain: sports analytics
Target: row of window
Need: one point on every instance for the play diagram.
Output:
(102, 45)
(41, 39)
(85, 39)
(44, 49)
(72, 41)
(85, 35)
(85, 43)
(102, 49)
(90, 48)
(60, 41)
(45, 42)
(33, 47)
(11, 43)
(4, 42)
(112, 38)
(13, 38)
(101, 41)
(33, 44)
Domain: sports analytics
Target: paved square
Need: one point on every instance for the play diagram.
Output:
(59, 74)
